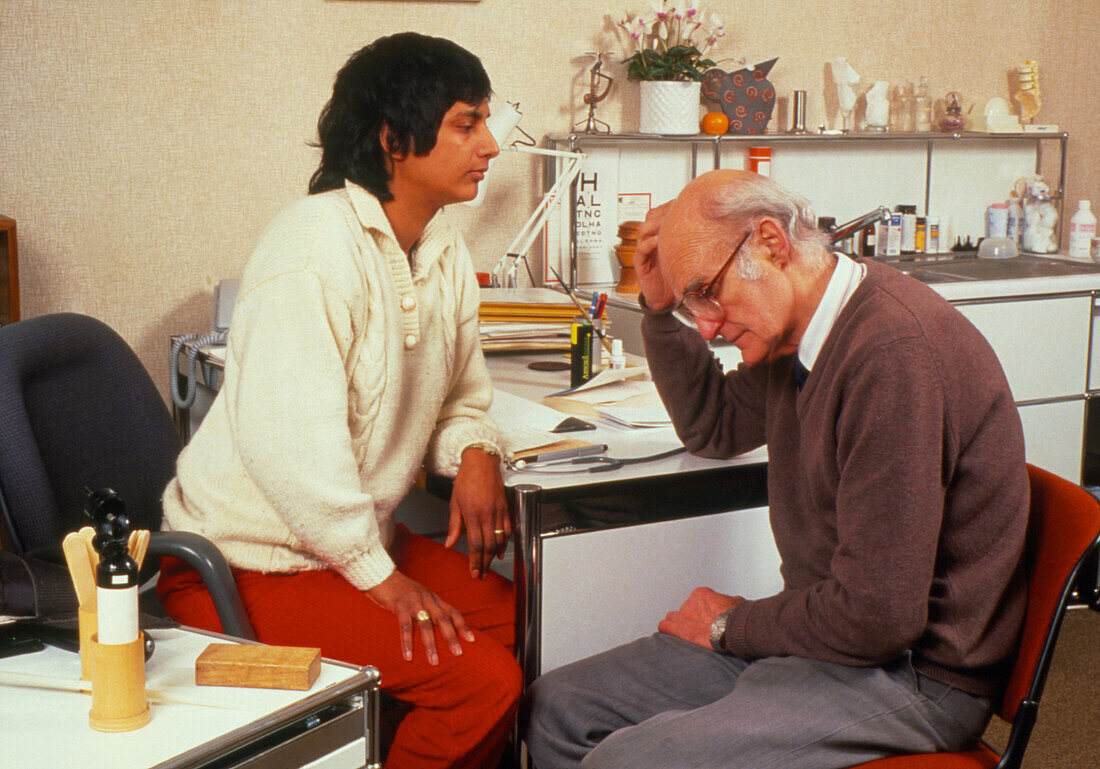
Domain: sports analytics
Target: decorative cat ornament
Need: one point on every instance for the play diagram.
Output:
(746, 96)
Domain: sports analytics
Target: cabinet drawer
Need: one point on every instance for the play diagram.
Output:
(1094, 358)
(1042, 343)
(1054, 436)
(606, 587)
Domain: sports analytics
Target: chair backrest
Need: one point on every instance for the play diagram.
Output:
(1063, 531)
(77, 409)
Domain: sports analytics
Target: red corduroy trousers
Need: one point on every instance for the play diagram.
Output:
(462, 709)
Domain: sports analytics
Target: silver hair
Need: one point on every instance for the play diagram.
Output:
(758, 196)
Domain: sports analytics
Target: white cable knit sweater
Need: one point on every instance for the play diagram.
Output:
(343, 374)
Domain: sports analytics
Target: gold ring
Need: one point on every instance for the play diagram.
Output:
(423, 616)
(498, 532)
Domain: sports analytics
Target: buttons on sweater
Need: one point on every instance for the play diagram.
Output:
(408, 302)
(410, 341)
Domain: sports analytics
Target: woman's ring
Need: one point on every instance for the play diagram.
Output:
(498, 532)
(423, 616)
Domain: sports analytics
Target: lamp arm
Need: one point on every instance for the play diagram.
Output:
(504, 273)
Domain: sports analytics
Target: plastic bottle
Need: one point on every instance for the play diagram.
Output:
(617, 359)
(891, 244)
(1082, 229)
(996, 220)
(932, 235)
(1014, 231)
(908, 228)
(760, 160)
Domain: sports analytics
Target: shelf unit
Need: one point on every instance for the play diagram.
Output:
(842, 175)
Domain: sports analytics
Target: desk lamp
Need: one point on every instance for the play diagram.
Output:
(504, 119)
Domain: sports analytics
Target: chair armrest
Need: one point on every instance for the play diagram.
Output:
(205, 558)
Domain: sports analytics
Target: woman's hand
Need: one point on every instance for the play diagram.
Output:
(416, 605)
(479, 502)
(658, 295)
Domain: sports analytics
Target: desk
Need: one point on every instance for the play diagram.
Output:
(332, 726)
(602, 557)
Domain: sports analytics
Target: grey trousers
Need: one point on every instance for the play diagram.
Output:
(663, 702)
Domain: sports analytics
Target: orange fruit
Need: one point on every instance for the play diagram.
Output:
(715, 123)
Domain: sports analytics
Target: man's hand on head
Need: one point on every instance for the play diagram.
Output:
(658, 295)
(692, 621)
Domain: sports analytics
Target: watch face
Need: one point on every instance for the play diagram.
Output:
(718, 631)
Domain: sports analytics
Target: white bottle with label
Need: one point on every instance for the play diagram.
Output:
(1082, 229)
(1015, 221)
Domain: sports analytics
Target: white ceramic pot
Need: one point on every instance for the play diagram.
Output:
(669, 107)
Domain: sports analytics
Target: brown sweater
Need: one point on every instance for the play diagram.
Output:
(897, 487)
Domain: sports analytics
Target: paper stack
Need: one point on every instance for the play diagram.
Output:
(620, 395)
(525, 319)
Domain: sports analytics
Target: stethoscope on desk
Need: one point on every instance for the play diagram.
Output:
(595, 464)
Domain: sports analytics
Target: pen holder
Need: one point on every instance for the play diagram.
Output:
(118, 686)
(88, 626)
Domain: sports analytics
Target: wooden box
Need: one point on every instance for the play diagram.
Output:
(259, 667)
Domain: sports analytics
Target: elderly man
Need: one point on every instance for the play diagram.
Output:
(898, 497)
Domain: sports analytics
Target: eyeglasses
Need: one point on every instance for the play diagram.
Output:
(700, 304)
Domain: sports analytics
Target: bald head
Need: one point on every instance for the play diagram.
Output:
(714, 209)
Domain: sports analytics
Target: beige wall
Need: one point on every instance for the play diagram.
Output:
(143, 145)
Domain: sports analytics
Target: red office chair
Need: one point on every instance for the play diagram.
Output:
(1063, 534)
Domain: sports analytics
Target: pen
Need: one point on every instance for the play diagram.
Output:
(584, 313)
(580, 451)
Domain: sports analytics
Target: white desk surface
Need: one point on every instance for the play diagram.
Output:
(49, 728)
(511, 376)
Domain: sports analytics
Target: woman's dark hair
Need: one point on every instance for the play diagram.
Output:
(404, 83)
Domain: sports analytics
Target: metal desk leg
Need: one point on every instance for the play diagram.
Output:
(528, 599)
(372, 710)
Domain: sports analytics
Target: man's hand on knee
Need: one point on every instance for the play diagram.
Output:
(692, 621)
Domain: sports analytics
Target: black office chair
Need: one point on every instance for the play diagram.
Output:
(78, 410)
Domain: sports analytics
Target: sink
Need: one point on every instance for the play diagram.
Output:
(966, 267)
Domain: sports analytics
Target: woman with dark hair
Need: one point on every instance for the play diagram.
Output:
(353, 360)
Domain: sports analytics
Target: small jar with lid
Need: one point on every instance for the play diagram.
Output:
(1039, 221)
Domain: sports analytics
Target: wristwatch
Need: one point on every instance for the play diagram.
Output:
(718, 631)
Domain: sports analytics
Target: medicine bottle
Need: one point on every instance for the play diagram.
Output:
(1014, 231)
(932, 235)
(1082, 229)
(908, 228)
(760, 160)
(996, 221)
(920, 239)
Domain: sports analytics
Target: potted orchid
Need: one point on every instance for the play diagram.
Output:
(671, 41)
(670, 44)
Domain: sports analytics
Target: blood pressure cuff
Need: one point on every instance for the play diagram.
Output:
(31, 587)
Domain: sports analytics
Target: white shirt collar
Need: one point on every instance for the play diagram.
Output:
(846, 278)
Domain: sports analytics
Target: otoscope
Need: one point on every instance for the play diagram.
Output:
(116, 575)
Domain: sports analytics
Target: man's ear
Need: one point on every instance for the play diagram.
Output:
(774, 237)
(385, 139)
